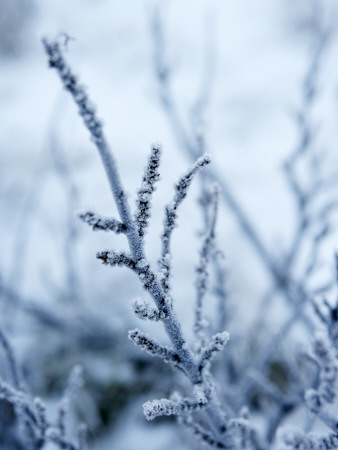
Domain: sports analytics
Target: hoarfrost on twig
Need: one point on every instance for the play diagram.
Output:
(112, 258)
(148, 344)
(98, 222)
(165, 407)
(181, 190)
(217, 343)
(145, 312)
(143, 201)
(202, 269)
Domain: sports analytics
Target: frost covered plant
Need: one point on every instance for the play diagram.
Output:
(320, 398)
(292, 270)
(214, 424)
(302, 441)
(217, 414)
(37, 429)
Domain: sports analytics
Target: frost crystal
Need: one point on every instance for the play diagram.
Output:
(202, 269)
(181, 190)
(165, 407)
(98, 222)
(217, 343)
(143, 311)
(143, 201)
(109, 257)
(154, 348)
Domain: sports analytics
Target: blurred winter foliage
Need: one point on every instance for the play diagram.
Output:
(254, 84)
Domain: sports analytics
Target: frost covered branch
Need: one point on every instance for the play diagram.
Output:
(111, 258)
(215, 419)
(180, 354)
(202, 269)
(181, 190)
(218, 342)
(94, 126)
(328, 369)
(299, 440)
(31, 412)
(200, 433)
(154, 348)
(325, 393)
(98, 222)
(165, 407)
(150, 178)
(144, 311)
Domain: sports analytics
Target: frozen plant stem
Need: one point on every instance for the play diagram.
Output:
(214, 415)
(170, 224)
(94, 126)
(202, 269)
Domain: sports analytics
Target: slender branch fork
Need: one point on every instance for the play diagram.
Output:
(184, 357)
